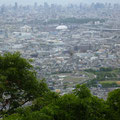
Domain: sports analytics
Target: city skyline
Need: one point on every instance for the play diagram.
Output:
(63, 2)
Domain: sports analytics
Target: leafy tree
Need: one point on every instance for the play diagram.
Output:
(37, 116)
(18, 83)
(78, 105)
(82, 91)
(65, 107)
(13, 117)
(83, 102)
(89, 107)
(98, 109)
(45, 100)
(113, 101)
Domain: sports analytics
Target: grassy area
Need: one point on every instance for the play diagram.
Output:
(108, 77)
(109, 82)
(73, 79)
(79, 78)
(90, 75)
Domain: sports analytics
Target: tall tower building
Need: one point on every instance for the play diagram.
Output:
(35, 5)
(46, 6)
(16, 6)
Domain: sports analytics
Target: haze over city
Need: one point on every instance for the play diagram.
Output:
(56, 1)
(59, 59)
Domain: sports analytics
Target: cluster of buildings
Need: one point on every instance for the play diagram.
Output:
(61, 50)
(102, 93)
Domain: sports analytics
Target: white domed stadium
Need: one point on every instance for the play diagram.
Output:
(61, 27)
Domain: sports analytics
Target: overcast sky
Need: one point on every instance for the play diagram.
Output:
(55, 1)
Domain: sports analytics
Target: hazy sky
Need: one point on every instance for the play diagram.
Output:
(55, 1)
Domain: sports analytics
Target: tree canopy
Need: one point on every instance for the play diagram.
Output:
(18, 82)
(70, 106)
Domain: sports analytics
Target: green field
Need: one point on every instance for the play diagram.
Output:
(78, 79)
(73, 79)
(110, 82)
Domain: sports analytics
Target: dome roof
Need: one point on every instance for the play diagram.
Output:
(61, 27)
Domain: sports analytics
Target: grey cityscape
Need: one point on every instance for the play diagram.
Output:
(63, 40)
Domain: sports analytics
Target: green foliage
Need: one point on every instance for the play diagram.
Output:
(37, 116)
(13, 117)
(46, 99)
(98, 109)
(88, 107)
(82, 91)
(18, 83)
(30, 116)
(108, 85)
(104, 74)
(74, 106)
(106, 69)
(113, 101)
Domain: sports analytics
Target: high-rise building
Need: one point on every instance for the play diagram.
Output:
(35, 5)
(16, 6)
(46, 5)
(3, 9)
